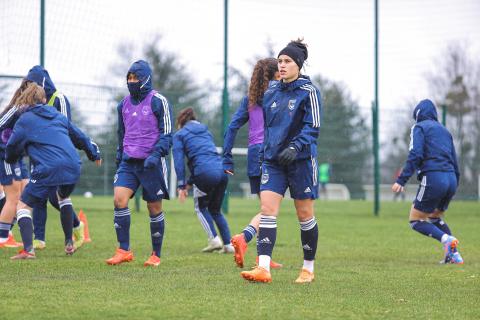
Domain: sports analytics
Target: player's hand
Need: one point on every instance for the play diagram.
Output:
(287, 156)
(229, 172)
(182, 195)
(397, 188)
(98, 162)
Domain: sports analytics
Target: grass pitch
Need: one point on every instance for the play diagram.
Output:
(367, 268)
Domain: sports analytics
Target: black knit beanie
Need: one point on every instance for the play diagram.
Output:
(297, 51)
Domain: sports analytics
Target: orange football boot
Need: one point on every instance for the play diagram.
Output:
(257, 274)
(305, 277)
(11, 243)
(120, 257)
(240, 245)
(153, 261)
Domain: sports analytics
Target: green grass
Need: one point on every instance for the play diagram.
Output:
(367, 268)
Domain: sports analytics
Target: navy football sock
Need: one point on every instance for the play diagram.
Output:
(66, 217)
(222, 225)
(157, 230)
(25, 224)
(249, 233)
(2, 200)
(440, 224)
(267, 235)
(121, 221)
(309, 236)
(5, 229)
(426, 228)
(40, 221)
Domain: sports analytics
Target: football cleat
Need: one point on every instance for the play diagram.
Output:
(456, 258)
(69, 247)
(305, 277)
(228, 248)
(11, 243)
(257, 274)
(214, 244)
(39, 244)
(24, 255)
(153, 261)
(120, 257)
(240, 246)
(79, 235)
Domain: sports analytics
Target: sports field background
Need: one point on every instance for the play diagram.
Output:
(367, 268)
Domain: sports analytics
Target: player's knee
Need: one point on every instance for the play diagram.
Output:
(120, 202)
(268, 210)
(154, 208)
(304, 214)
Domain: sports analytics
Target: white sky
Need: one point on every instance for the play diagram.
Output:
(82, 37)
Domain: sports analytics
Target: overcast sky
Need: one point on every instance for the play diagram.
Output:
(82, 37)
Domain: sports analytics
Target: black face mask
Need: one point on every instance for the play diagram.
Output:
(134, 88)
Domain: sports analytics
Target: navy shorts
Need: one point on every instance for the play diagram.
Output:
(300, 177)
(132, 175)
(254, 184)
(34, 194)
(435, 191)
(10, 172)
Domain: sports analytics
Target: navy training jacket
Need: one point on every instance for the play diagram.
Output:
(292, 113)
(195, 142)
(49, 139)
(431, 145)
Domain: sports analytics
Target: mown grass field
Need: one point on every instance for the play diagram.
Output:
(367, 268)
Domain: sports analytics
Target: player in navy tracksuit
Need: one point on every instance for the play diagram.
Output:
(49, 139)
(209, 181)
(292, 111)
(264, 73)
(432, 156)
(60, 102)
(144, 140)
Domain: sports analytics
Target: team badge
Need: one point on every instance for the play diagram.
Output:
(265, 178)
(291, 104)
(18, 172)
(274, 105)
(145, 110)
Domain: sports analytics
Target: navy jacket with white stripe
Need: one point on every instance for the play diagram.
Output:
(292, 113)
(160, 108)
(196, 143)
(431, 145)
(41, 77)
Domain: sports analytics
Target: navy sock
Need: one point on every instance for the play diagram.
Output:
(222, 225)
(426, 228)
(24, 217)
(440, 224)
(13, 223)
(157, 230)
(205, 219)
(2, 200)
(5, 229)
(249, 232)
(66, 217)
(121, 221)
(267, 235)
(76, 221)
(309, 236)
(40, 221)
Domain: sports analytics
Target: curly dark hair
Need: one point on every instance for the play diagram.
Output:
(263, 72)
(184, 116)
